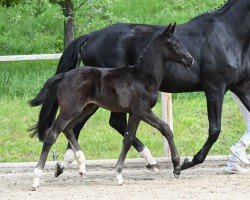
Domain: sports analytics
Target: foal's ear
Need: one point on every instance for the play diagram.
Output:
(173, 28)
(168, 31)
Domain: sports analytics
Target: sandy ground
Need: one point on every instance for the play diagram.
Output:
(199, 183)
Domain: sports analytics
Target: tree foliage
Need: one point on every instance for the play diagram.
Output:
(8, 3)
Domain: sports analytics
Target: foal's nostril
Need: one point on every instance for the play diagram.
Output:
(190, 62)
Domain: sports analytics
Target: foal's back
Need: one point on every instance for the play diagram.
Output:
(113, 89)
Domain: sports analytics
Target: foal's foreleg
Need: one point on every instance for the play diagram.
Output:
(128, 140)
(119, 122)
(150, 118)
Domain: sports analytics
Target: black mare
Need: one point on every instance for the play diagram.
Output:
(133, 90)
(219, 42)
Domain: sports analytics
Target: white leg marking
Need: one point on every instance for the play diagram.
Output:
(145, 153)
(119, 178)
(37, 175)
(69, 157)
(81, 162)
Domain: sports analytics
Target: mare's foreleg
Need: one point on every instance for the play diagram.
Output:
(119, 122)
(214, 108)
(128, 140)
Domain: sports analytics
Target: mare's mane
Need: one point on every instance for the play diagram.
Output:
(223, 8)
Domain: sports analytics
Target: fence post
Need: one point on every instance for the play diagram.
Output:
(167, 116)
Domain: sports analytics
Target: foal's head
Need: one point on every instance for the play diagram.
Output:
(173, 49)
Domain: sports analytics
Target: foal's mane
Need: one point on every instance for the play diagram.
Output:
(145, 51)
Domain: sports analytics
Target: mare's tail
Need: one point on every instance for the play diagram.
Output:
(49, 107)
(68, 61)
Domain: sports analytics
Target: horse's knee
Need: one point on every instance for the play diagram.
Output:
(166, 131)
(128, 139)
(118, 124)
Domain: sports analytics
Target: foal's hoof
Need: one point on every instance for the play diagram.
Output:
(119, 179)
(176, 175)
(154, 168)
(58, 169)
(34, 187)
(82, 174)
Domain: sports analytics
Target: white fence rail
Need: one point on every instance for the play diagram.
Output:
(166, 98)
(30, 57)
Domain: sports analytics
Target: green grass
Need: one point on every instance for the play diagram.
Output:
(20, 81)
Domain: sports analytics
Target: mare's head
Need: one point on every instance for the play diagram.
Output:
(173, 49)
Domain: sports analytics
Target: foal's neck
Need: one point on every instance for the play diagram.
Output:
(152, 63)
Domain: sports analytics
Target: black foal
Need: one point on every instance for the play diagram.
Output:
(129, 89)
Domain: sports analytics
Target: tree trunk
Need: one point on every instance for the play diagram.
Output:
(69, 22)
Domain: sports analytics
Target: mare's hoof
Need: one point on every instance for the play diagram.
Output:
(177, 174)
(186, 164)
(154, 168)
(58, 169)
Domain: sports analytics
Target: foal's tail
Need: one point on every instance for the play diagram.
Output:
(68, 61)
(49, 107)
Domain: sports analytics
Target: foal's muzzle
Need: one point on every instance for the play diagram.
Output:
(189, 62)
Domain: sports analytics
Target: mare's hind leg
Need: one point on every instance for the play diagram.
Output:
(128, 140)
(69, 156)
(119, 122)
(242, 91)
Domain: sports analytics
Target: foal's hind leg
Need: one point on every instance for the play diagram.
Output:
(119, 122)
(128, 140)
(80, 157)
(49, 139)
(69, 156)
(76, 150)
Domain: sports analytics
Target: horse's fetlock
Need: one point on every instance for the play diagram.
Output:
(198, 159)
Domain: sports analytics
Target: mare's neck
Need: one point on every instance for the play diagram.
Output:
(237, 17)
(152, 63)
